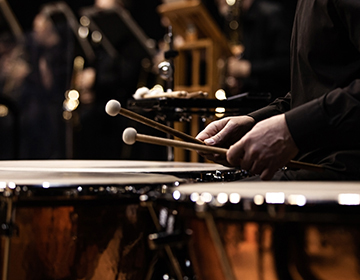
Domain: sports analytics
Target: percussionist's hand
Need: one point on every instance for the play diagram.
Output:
(266, 148)
(223, 133)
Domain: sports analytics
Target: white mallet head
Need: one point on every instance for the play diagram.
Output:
(141, 92)
(129, 135)
(113, 107)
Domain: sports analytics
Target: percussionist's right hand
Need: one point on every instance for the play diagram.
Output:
(224, 133)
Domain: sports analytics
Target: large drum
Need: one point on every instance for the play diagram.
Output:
(267, 230)
(68, 219)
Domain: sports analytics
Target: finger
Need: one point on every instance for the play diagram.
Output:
(268, 174)
(257, 167)
(235, 155)
(220, 159)
(210, 141)
(224, 135)
(210, 132)
(203, 135)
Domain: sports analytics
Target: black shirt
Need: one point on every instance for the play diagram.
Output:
(323, 108)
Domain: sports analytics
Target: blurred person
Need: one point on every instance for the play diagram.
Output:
(118, 70)
(13, 70)
(49, 50)
(13, 67)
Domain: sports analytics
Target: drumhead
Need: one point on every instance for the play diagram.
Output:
(48, 178)
(109, 166)
(277, 192)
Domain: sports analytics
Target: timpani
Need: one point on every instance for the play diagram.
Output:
(269, 230)
(78, 219)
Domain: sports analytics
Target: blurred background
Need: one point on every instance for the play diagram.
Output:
(61, 61)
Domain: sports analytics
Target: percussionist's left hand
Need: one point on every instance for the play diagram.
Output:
(264, 149)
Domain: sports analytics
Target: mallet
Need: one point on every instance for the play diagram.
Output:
(130, 136)
(113, 107)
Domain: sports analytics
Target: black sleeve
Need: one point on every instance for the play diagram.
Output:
(279, 106)
(333, 120)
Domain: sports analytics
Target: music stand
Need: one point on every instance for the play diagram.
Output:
(197, 65)
(203, 39)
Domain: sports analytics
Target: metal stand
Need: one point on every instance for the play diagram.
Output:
(166, 72)
(174, 262)
(7, 230)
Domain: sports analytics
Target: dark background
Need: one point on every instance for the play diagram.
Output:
(25, 11)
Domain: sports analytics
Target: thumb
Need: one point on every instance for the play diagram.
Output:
(217, 139)
(210, 141)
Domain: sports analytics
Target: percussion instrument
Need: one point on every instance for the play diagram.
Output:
(79, 169)
(267, 230)
(180, 109)
(76, 219)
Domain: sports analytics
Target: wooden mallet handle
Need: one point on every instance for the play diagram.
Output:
(130, 136)
(113, 107)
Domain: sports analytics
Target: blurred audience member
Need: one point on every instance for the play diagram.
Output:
(123, 63)
(49, 48)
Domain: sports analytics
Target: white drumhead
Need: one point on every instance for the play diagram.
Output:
(279, 192)
(64, 178)
(108, 166)
(53, 173)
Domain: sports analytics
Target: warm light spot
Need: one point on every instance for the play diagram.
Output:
(206, 197)
(234, 198)
(96, 36)
(73, 94)
(143, 197)
(70, 104)
(84, 21)
(67, 115)
(83, 32)
(79, 62)
(220, 94)
(349, 199)
(194, 197)
(158, 87)
(275, 197)
(259, 199)
(222, 198)
(231, 2)
(297, 199)
(4, 110)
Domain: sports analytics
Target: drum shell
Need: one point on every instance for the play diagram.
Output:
(271, 241)
(80, 240)
(75, 219)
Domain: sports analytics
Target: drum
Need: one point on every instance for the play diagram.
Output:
(74, 219)
(267, 230)
(192, 171)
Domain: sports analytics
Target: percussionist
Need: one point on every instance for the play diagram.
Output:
(318, 120)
